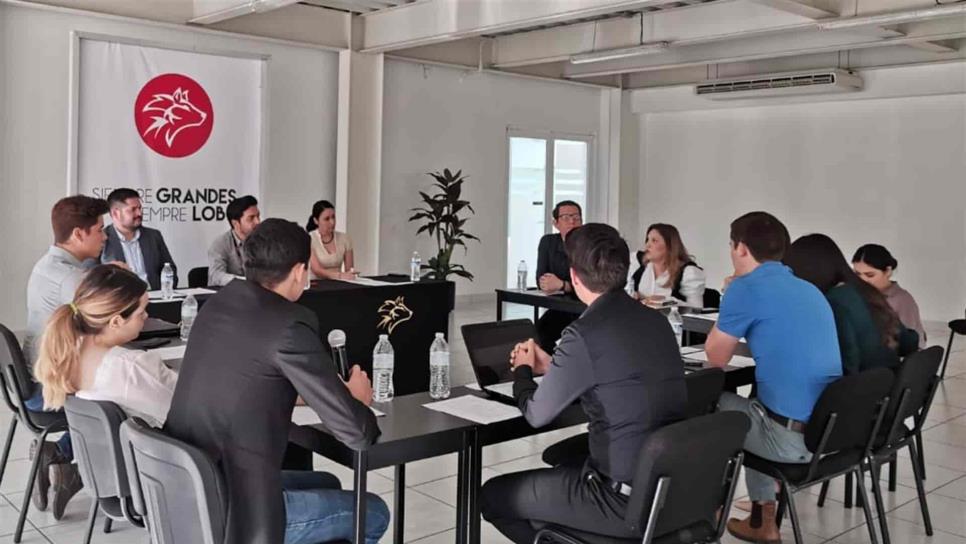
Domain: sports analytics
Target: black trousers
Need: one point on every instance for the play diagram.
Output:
(518, 504)
(549, 327)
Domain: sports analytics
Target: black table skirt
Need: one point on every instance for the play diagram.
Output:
(410, 313)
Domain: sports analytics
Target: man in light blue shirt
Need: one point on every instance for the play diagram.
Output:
(791, 332)
(78, 226)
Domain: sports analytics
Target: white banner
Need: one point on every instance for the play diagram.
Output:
(181, 128)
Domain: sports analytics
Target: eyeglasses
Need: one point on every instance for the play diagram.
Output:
(568, 217)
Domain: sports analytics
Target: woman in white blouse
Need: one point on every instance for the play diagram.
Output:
(332, 256)
(666, 270)
(81, 351)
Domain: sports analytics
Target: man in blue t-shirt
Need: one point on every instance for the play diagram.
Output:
(791, 332)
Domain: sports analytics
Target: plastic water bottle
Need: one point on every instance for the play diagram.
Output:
(629, 286)
(439, 368)
(382, 365)
(189, 310)
(677, 324)
(167, 282)
(414, 265)
(522, 276)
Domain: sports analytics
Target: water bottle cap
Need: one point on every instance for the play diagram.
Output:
(384, 337)
(440, 335)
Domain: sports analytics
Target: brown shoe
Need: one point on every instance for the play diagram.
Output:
(66, 482)
(759, 527)
(50, 455)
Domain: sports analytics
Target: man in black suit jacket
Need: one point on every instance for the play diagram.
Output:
(623, 363)
(128, 241)
(252, 352)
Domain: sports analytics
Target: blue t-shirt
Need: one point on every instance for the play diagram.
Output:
(791, 331)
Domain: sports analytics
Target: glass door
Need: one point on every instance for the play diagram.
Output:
(542, 171)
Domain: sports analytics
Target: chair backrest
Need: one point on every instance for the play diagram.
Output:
(916, 380)
(712, 298)
(704, 389)
(14, 365)
(198, 277)
(701, 458)
(489, 346)
(176, 486)
(851, 405)
(94, 432)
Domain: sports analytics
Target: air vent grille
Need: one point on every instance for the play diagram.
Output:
(808, 80)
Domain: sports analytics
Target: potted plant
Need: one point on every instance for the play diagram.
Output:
(440, 217)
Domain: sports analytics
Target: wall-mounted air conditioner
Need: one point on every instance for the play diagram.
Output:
(787, 84)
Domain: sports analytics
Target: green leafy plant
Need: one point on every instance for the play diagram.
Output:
(440, 217)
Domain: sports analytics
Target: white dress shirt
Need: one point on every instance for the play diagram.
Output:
(692, 285)
(132, 254)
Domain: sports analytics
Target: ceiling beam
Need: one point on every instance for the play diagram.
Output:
(933, 47)
(774, 45)
(434, 21)
(798, 7)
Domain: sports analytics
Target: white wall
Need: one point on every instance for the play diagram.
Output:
(34, 71)
(887, 170)
(449, 118)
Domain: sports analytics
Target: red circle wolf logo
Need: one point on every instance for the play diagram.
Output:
(173, 115)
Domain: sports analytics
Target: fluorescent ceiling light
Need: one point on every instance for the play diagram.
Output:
(622, 53)
(894, 18)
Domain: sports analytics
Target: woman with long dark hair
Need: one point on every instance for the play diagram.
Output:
(332, 256)
(875, 266)
(870, 333)
(666, 270)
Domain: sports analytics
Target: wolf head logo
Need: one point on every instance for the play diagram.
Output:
(172, 113)
(394, 312)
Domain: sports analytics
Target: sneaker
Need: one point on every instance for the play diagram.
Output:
(66, 481)
(50, 455)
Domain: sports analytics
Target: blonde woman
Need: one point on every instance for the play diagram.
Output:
(81, 352)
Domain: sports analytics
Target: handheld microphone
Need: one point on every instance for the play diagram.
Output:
(337, 344)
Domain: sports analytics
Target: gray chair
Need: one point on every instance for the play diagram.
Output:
(18, 387)
(686, 474)
(94, 433)
(176, 487)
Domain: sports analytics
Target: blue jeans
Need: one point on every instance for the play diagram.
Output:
(36, 404)
(766, 439)
(317, 510)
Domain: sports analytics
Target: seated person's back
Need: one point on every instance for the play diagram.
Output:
(253, 350)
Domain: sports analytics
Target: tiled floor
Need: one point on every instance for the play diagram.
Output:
(431, 493)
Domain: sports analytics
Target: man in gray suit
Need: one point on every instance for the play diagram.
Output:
(128, 241)
(225, 261)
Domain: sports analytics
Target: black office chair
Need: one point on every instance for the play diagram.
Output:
(840, 435)
(956, 326)
(176, 487)
(94, 432)
(677, 494)
(704, 389)
(198, 277)
(19, 383)
(712, 298)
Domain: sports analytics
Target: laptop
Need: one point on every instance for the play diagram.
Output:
(158, 328)
(489, 346)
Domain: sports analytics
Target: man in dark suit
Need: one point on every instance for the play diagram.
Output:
(553, 271)
(623, 363)
(128, 241)
(252, 352)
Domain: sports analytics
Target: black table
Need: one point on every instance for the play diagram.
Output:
(696, 324)
(410, 313)
(538, 299)
(410, 432)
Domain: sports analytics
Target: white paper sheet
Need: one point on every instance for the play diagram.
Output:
(709, 317)
(369, 282)
(687, 350)
(305, 415)
(476, 409)
(506, 388)
(736, 360)
(181, 294)
(170, 353)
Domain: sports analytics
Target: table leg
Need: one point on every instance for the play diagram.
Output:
(476, 474)
(536, 314)
(461, 490)
(361, 467)
(399, 505)
(499, 307)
